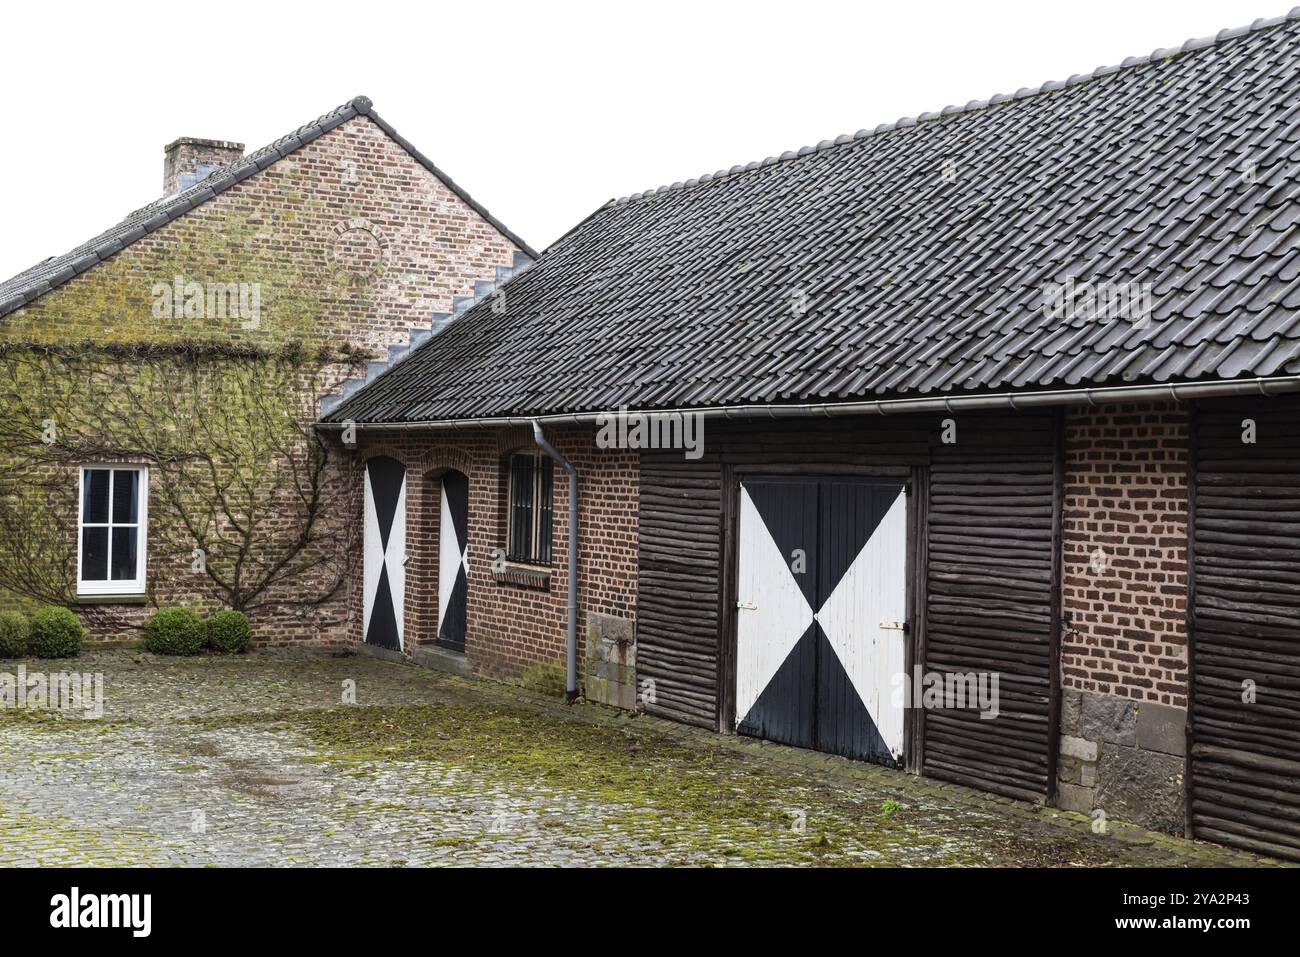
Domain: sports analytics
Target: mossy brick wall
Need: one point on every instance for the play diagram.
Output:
(290, 610)
(351, 243)
(1124, 536)
(512, 627)
(349, 235)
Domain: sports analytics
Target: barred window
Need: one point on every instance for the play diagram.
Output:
(529, 523)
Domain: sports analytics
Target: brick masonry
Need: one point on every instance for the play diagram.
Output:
(382, 241)
(1124, 599)
(186, 158)
(515, 622)
(390, 243)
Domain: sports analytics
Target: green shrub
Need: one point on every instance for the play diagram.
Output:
(56, 633)
(14, 634)
(228, 632)
(175, 631)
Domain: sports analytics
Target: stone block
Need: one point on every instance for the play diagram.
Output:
(1067, 769)
(1080, 748)
(1144, 787)
(1162, 728)
(1073, 797)
(610, 650)
(1070, 701)
(1108, 718)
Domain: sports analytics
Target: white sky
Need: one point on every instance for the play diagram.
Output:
(541, 110)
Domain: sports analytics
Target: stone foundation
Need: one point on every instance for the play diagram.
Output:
(1122, 757)
(609, 672)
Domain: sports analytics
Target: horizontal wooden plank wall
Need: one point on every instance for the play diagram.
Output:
(1244, 762)
(992, 601)
(678, 586)
(992, 570)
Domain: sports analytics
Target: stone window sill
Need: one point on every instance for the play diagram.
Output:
(112, 599)
(527, 576)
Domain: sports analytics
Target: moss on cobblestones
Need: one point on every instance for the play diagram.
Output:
(254, 760)
(694, 804)
(55, 721)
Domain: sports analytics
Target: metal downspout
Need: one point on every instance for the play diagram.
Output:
(571, 672)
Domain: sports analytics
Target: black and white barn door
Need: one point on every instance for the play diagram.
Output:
(821, 601)
(385, 552)
(453, 560)
(863, 593)
(776, 593)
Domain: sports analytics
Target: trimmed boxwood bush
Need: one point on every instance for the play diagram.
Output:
(56, 633)
(14, 634)
(228, 632)
(175, 631)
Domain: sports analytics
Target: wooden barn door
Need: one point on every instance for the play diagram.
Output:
(1244, 716)
(776, 592)
(863, 601)
(821, 599)
(384, 558)
(453, 560)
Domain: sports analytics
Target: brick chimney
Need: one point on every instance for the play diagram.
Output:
(189, 160)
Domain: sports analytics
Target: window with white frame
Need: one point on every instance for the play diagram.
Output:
(112, 529)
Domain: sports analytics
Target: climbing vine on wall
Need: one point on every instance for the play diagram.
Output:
(202, 357)
(238, 479)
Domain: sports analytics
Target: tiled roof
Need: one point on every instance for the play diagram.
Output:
(53, 272)
(921, 250)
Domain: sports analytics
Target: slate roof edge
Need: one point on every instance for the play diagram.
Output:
(974, 106)
(220, 181)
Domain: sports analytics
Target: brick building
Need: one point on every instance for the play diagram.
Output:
(997, 480)
(318, 259)
(965, 444)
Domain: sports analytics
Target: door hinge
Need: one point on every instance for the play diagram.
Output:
(747, 605)
(890, 624)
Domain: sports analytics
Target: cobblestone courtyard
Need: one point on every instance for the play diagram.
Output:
(256, 760)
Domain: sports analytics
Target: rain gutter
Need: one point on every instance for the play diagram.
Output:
(1176, 392)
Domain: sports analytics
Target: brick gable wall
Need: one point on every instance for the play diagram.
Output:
(388, 243)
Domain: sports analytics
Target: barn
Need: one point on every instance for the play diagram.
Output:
(965, 444)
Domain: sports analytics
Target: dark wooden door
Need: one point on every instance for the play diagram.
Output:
(384, 559)
(453, 560)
